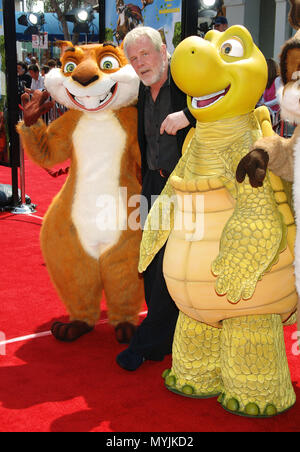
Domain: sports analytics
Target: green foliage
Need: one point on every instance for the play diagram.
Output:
(65, 5)
(109, 34)
(177, 34)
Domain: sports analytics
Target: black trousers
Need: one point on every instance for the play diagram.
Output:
(154, 337)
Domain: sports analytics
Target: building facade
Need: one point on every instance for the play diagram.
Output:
(267, 21)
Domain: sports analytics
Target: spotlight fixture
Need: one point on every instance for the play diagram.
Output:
(82, 15)
(208, 3)
(33, 22)
(208, 11)
(32, 19)
(206, 16)
(214, 5)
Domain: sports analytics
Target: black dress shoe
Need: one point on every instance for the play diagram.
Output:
(129, 360)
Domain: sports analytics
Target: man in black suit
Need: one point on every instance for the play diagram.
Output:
(163, 123)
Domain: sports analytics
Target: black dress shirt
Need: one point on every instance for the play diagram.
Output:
(166, 161)
(161, 150)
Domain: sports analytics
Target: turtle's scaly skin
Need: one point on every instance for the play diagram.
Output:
(227, 264)
(196, 358)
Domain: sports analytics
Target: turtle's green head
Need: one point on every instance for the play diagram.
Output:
(223, 75)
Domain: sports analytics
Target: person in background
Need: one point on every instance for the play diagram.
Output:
(37, 79)
(163, 123)
(221, 23)
(269, 97)
(44, 70)
(27, 59)
(51, 64)
(24, 79)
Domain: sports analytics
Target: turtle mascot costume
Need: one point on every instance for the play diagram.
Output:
(228, 262)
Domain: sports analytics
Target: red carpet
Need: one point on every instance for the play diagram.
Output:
(47, 386)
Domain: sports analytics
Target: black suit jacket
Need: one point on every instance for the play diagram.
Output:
(178, 101)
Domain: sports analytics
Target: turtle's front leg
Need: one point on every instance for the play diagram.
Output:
(251, 242)
(254, 366)
(196, 360)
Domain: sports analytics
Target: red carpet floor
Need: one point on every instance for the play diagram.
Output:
(47, 386)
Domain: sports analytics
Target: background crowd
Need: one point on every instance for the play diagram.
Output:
(31, 77)
(31, 74)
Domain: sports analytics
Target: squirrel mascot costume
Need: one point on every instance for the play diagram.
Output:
(282, 155)
(227, 252)
(87, 243)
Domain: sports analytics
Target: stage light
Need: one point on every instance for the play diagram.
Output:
(33, 22)
(207, 13)
(214, 5)
(32, 19)
(82, 15)
(82, 18)
(206, 16)
(22, 20)
(208, 3)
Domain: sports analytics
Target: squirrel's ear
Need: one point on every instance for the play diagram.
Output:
(294, 14)
(63, 46)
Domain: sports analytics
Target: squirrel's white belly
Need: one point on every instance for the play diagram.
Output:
(99, 213)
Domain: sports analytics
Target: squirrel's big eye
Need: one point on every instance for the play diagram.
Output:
(109, 63)
(69, 67)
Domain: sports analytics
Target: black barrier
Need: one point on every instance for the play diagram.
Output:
(10, 155)
(101, 21)
(189, 18)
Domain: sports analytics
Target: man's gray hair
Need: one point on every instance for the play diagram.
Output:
(139, 32)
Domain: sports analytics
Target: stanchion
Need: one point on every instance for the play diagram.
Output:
(23, 208)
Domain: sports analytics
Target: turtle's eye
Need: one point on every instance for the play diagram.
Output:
(233, 47)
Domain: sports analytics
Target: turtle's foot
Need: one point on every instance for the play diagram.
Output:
(255, 370)
(250, 409)
(187, 389)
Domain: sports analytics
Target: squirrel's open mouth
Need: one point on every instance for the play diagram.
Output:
(93, 103)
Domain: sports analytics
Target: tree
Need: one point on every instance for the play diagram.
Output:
(61, 8)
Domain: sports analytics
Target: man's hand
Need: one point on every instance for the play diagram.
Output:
(36, 107)
(255, 166)
(174, 122)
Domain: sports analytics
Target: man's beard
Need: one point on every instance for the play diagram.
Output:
(156, 77)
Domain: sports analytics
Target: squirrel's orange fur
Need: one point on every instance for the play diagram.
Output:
(79, 277)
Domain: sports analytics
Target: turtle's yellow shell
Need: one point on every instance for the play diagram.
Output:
(190, 280)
